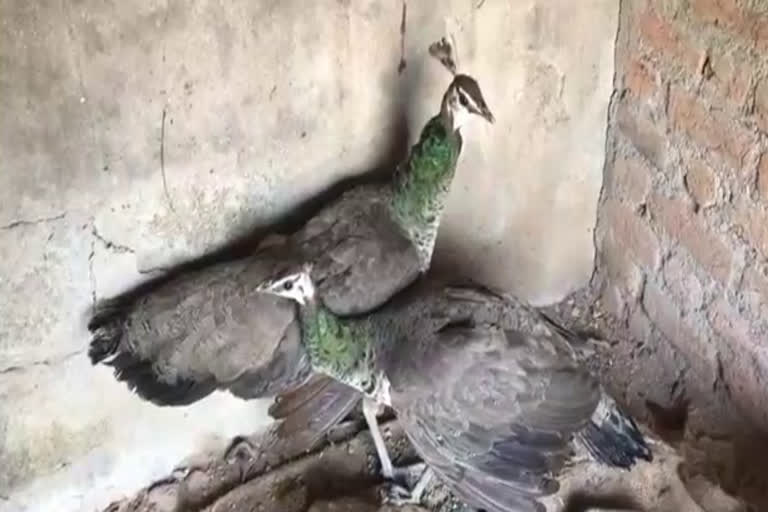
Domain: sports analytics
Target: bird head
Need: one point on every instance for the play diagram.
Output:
(295, 284)
(462, 100)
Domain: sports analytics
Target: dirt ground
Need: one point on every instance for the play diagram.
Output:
(700, 449)
(341, 475)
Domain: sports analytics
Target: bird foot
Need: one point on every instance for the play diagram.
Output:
(240, 448)
(180, 473)
(406, 486)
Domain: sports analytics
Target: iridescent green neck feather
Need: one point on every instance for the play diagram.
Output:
(340, 348)
(422, 184)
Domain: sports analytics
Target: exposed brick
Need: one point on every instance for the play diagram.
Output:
(745, 363)
(666, 316)
(756, 279)
(736, 18)
(640, 326)
(761, 34)
(711, 131)
(631, 180)
(733, 73)
(683, 283)
(612, 301)
(727, 322)
(724, 13)
(761, 104)
(621, 267)
(702, 184)
(665, 40)
(642, 132)
(657, 32)
(753, 219)
(632, 234)
(640, 80)
(682, 224)
(762, 177)
(754, 288)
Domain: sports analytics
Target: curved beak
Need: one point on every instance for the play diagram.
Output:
(488, 115)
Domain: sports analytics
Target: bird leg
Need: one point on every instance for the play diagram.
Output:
(398, 492)
(369, 411)
(240, 447)
(399, 495)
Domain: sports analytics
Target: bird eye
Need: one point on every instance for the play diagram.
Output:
(288, 286)
(463, 100)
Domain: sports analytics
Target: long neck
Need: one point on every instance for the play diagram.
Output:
(422, 183)
(341, 348)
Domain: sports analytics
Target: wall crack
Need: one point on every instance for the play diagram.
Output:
(50, 361)
(109, 244)
(32, 222)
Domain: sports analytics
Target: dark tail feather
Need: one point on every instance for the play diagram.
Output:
(612, 437)
(141, 378)
(106, 326)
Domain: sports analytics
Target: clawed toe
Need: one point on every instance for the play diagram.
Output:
(239, 448)
(408, 476)
(397, 495)
(404, 487)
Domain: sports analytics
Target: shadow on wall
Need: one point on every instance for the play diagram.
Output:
(245, 244)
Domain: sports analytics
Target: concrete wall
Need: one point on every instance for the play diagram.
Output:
(138, 135)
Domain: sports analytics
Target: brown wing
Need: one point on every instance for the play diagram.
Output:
(210, 329)
(361, 258)
(493, 412)
(315, 405)
(200, 331)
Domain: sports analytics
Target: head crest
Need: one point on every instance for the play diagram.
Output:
(444, 51)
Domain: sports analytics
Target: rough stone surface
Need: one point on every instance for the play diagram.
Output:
(677, 218)
(144, 134)
(301, 482)
(691, 73)
(762, 177)
(701, 182)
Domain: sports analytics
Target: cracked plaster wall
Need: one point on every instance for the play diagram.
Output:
(258, 105)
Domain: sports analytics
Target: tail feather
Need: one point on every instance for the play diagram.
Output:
(613, 438)
(141, 378)
(106, 326)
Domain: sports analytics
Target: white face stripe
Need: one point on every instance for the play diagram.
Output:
(459, 112)
(305, 285)
(471, 103)
(298, 287)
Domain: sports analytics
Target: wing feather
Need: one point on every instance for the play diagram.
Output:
(315, 405)
(499, 425)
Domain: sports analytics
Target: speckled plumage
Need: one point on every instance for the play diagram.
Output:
(489, 391)
(422, 184)
(337, 348)
(177, 342)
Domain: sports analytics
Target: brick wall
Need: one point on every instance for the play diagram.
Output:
(682, 230)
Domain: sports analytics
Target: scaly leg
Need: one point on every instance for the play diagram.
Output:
(369, 411)
(397, 494)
